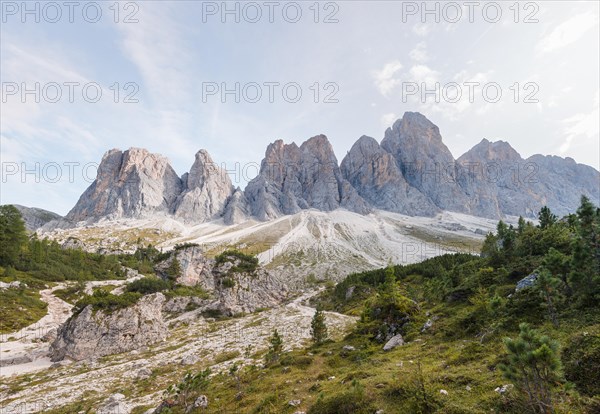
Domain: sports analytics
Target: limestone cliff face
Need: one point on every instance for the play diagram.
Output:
(375, 175)
(94, 334)
(293, 178)
(136, 183)
(129, 184)
(236, 210)
(485, 174)
(490, 180)
(206, 191)
(500, 182)
(426, 163)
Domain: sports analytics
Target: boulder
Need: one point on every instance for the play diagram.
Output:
(526, 282)
(201, 402)
(394, 342)
(92, 334)
(115, 404)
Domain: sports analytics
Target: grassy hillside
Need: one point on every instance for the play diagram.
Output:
(454, 312)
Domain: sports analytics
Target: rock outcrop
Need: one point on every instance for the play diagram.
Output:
(234, 284)
(246, 291)
(92, 334)
(195, 268)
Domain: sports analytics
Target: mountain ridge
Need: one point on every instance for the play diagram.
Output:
(411, 171)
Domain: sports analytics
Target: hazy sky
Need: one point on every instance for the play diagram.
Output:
(166, 65)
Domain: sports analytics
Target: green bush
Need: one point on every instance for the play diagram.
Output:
(247, 263)
(227, 282)
(296, 361)
(181, 290)
(148, 285)
(581, 360)
(182, 246)
(107, 302)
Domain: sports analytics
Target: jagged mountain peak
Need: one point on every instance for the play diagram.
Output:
(414, 125)
(491, 150)
(365, 143)
(204, 168)
(129, 183)
(206, 193)
(318, 141)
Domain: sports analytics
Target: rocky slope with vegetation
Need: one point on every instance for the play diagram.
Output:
(512, 330)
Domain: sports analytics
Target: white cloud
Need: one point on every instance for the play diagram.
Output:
(388, 119)
(568, 32)
(582, 126)
(421, 29)
(424, 74)
(384, 78)
(419, 53)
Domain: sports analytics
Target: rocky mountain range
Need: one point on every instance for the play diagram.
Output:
(36, 217)
(411, 172)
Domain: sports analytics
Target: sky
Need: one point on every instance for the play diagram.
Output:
(174, 77)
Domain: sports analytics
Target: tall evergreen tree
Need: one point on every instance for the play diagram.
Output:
(585, 265)
(275, 348)
(174, 269)
(547, 284)
(558, 264)
(546, 217)
(13, 236)
(318, 327)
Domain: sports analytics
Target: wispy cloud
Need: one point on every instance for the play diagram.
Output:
(567, 33)
(585, 126)
(419, 53)
(385, 79)
(421, 29)
(156, 46)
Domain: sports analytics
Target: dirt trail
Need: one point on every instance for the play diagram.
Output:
(58, 312)
(22, 351)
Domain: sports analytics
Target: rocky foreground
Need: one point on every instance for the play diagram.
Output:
(88, 353)
(192, 343)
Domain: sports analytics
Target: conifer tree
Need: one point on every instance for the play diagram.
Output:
(13, 235)
(533, 366)
(547, 284)
(546, 217)
(318, 327)
(275, 347)
(585, 265)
